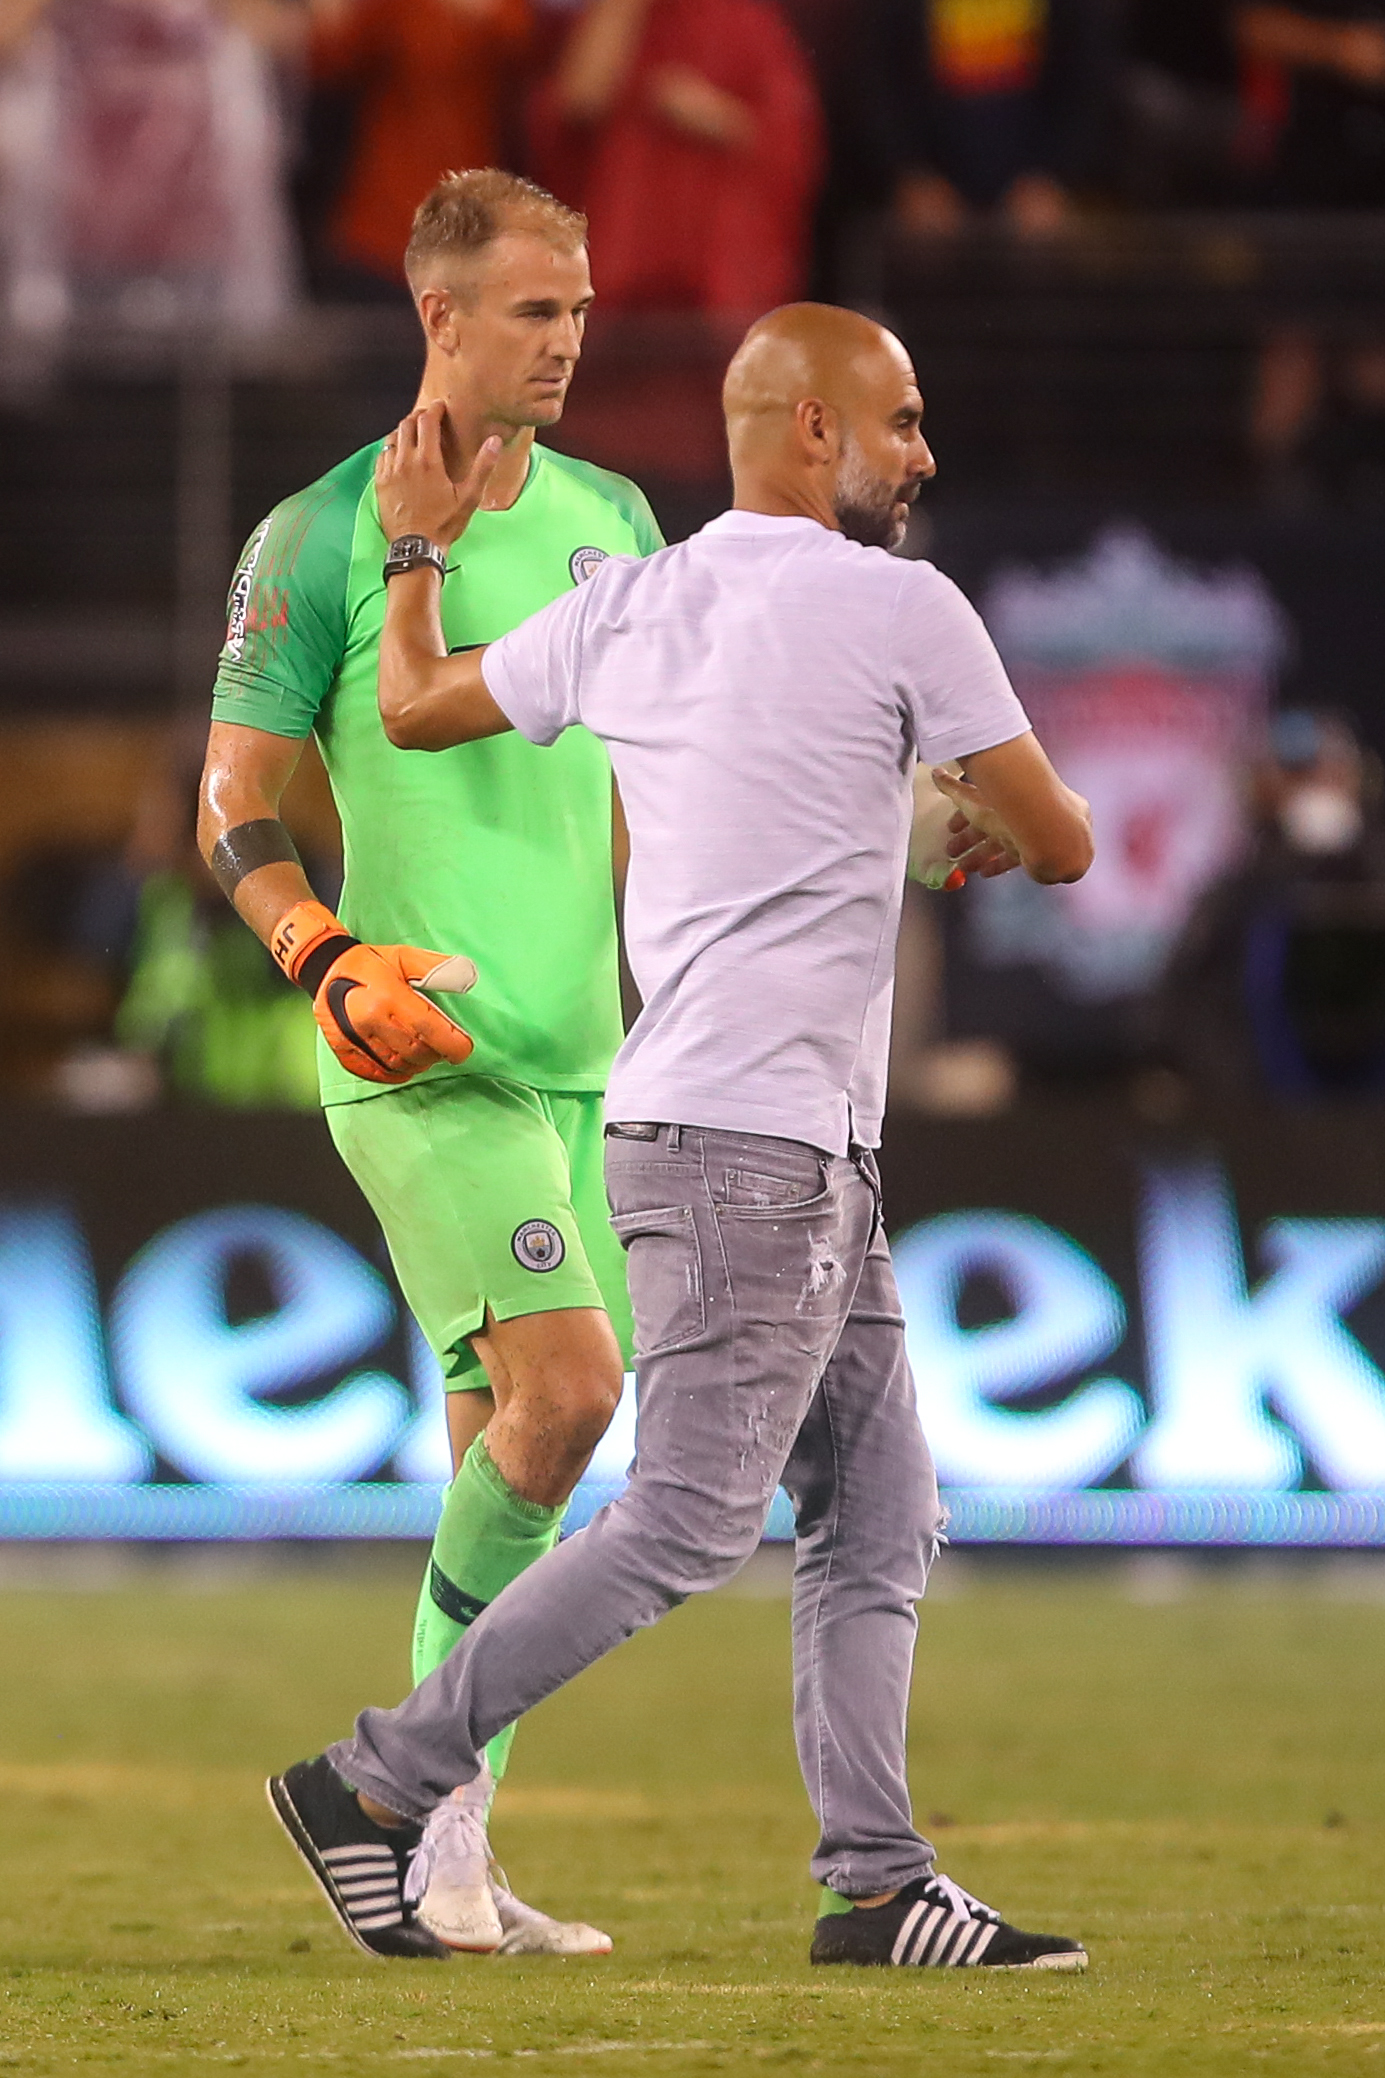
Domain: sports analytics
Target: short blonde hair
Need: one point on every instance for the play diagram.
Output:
(468, 211)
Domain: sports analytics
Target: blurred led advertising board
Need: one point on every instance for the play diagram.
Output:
(1120, 1336)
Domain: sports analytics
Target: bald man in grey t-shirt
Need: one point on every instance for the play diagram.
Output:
(765, 691)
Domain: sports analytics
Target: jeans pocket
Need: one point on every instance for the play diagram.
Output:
(667, 1294)
(757, 1188)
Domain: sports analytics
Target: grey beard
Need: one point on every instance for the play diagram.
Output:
(864, 506)
(869, 525)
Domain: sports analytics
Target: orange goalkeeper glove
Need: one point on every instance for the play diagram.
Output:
(365, 997)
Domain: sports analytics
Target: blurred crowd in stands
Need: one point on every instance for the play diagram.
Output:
(247, 148)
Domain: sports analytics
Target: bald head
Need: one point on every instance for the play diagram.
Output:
(807, 350)
(822, 418)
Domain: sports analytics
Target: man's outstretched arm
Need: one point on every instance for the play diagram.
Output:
(428, 699)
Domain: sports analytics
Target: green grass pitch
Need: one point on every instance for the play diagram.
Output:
(1194, 1786)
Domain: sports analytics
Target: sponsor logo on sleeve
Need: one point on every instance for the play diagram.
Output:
(538, 1245)
(585, 562)
(240, 595)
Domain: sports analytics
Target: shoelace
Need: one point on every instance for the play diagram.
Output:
(453, 1834)
(961, 1902)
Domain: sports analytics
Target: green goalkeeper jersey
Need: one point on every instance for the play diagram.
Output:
(496, 849)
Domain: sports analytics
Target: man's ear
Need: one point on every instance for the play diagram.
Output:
(437, 313)
(818, 429)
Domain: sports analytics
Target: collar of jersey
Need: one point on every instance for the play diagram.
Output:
(534, 453)
(738, 522)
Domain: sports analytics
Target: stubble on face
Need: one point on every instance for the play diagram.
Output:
(866, 506)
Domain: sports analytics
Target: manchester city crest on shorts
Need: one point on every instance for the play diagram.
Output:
(538, 1245)
(585, 562)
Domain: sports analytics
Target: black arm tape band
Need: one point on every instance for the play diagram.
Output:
(249, 846)
(313, 971)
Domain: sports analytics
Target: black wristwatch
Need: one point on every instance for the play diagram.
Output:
(414, 552)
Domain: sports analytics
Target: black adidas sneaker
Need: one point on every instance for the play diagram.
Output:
(359, 1865)
(934, 1923)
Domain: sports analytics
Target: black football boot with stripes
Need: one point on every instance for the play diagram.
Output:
(359, 1866)
(934, 1924)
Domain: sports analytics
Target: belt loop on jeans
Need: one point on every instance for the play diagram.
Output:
(675, 1138)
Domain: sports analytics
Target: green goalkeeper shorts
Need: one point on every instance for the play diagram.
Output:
(493, 1200)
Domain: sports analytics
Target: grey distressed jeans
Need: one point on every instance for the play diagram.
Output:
(771, 1349)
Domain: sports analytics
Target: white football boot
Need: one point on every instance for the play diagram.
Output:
(449, 1876)
(459, 1894)
(528, 1932)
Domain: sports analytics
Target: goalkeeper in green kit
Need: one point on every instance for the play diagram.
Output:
(480, 1149)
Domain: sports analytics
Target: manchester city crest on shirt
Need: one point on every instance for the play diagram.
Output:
(538, 1245)
(585, 562)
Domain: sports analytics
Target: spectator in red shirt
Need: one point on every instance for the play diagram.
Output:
(689, 131)
(431, 78)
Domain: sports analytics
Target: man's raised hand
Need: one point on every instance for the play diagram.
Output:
(414, 492)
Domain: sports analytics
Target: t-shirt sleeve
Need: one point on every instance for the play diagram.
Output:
(534, 674)
(286, 618)
(947, 671)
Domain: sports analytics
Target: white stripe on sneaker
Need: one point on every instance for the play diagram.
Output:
(983, 1940)
(365, 1876)
(939, 1927)
(902, 1938)
(939, 1924)
(951, 1943)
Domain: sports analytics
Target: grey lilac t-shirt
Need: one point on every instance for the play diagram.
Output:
(764, 690)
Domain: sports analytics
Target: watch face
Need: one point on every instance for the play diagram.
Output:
(411, 552)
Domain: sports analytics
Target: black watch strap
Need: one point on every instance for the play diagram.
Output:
(414, 552)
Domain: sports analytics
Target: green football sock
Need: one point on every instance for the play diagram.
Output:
(486, 1538)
